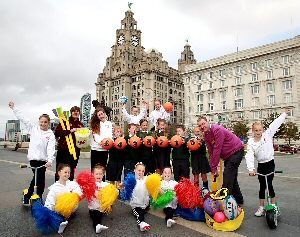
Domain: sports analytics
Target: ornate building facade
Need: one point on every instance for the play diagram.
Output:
(249, 84)
(129, 70)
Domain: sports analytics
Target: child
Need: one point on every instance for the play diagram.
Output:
(140, 199)
(158, 113)
(199, 160)
(41, 150)
(132, 155)
(146, 152)
(94, 206)
(161, 155)
(168, 184)
(261, 148)
(101, 128)
(116, 160)
(135, 117)
(181, 156)
(62, 186)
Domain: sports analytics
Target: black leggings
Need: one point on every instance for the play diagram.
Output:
(266, 168)
(40, 179)
(169, 213)
(139, 214)
(96, 217)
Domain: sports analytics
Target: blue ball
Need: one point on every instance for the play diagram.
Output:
(123, 99)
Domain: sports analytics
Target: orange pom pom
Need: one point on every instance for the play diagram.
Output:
(135, 142)
(194, 144)
(149, 141)
(162, 141)
(107, 143)
(176, 141)
(168, 106)
(120, 143)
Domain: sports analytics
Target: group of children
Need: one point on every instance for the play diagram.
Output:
(141, 161)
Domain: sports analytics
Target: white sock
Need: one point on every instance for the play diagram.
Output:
(100, 227)
(261, 207)
(62, 227)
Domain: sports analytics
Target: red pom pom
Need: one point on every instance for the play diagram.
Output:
(87, 182)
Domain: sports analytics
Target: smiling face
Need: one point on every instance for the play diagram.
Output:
(204, 125)
(118, 132)
(139, 171)
(144, 126)
(75, 114)
(167, 174)
(132, 130)
(162, 126)
(64, 174)
(98, 174)
(157, 105)
(180, 132)
(257, 129)
(44, 123)
(135, 111)
(101, 115)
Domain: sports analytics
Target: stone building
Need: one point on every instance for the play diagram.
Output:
(129, 70)
(250, 84)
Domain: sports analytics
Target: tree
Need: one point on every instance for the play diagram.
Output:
(291, 132)
(267, 121)
(241, 129)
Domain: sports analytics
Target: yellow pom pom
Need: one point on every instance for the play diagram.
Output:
(153, 185)
(107, 197)
(66, 204)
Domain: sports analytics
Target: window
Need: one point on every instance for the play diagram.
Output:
(254, 66)
(211, 106)
(239, 115)
(256, 114)
(222, 83)
(222, 72)
(287, 85)
(270, 111)
(271, 99)
(238, 80)
(238, 69)
(211, 85)
(291, 113)
(254, 77)
(223, 94)
(286, 59)
(238, 103)
(287, 97)
(211, 118)
(200, 97)
(238, 92)
(286, 71)
(270, 74)
(255, 101)
(224, 106)
(200, 108)
(200, 77)
(270, 87)
(211, 95)
(269, 62)
(211, 75)
(200, 87)
(255, 89)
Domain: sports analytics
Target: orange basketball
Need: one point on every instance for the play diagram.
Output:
(162, 141)
(194, 144)
(176, 141)
(120, 143)
(149, 141)
(168, 106)
(107, 143)
(135, 142)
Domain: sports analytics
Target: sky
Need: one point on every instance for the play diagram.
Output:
(53, 50)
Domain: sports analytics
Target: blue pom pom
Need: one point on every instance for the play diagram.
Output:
(123, 99)
(129, 183)
(46, 221)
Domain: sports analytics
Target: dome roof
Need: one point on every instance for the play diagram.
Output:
(153, 50)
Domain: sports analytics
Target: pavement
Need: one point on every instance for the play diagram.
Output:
(16, 220)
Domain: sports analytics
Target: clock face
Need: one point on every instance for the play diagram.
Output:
(121, 40)
(134, 40)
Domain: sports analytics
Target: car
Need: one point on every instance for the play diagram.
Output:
(288, 149)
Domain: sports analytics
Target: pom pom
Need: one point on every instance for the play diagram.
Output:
(107, 197)
(164, 199)
(66, 204)
(87, 183)
(188, 195)
(129, 183)
(153, 184)
(46, 221)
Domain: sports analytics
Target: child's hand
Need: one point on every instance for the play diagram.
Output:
(287, 111)
(121, 185)
(11, 105)
(252, 173)
(48, 164)
(161, 192)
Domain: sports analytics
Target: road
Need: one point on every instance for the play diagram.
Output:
(15, 220)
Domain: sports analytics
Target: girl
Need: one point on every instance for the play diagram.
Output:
(62, 186)
(199, 160)
(116, 160)
(168, 184)
(161, 155)
(140, 199)
(63, 153)
(94, 205)
(261, 148)
(41, 150)
(146, 152)
(101, 128)
(158, 113)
